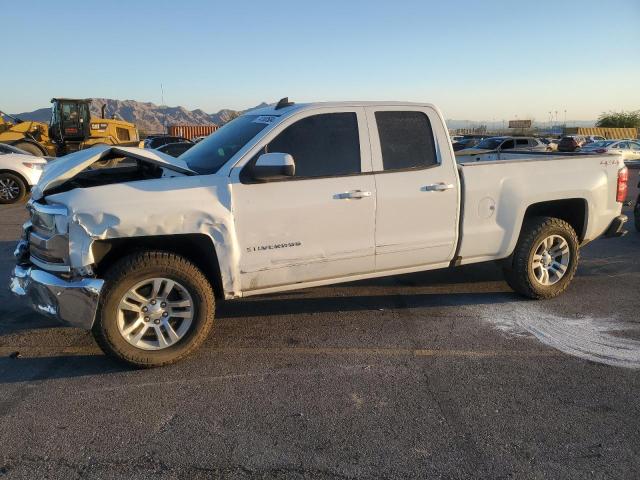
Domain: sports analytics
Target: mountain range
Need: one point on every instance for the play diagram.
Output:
(147, 116)
(152, 118)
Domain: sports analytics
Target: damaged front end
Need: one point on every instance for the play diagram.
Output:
(54, 257)
(43, 275)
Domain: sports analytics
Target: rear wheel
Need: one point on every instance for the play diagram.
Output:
(545, 258)
(12, 188)
(156, 308)
(29, 147)
(636, 214)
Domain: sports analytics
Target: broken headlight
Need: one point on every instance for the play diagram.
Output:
(48, 236)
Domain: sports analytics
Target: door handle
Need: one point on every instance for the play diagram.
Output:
(437, 187)
(353, 194)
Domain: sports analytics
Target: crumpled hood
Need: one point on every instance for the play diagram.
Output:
(64, 168)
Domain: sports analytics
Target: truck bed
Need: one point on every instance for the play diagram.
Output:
(496, 194)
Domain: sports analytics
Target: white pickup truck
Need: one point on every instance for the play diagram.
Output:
(293, 196)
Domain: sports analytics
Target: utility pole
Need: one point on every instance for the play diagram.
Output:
(161, 104)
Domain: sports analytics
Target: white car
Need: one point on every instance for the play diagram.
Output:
(629, 150)
(500, 144)
(18, 173)
(293, 196)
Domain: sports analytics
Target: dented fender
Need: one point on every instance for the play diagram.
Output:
(164, 206)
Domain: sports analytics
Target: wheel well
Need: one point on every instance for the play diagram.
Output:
(17, 174)
(31, 142)
(196, 247)
(572, 210)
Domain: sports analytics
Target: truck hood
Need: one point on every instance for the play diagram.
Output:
(64, 168)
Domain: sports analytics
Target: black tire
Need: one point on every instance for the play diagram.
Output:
(12, 188)
(137, 267)
(30, 147)
(518, 269)
(636, 215)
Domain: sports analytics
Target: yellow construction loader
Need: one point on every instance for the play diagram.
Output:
(70, 129)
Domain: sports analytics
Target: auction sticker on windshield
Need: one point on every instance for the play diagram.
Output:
(265, 119)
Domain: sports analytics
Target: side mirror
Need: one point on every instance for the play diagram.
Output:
(274, 166)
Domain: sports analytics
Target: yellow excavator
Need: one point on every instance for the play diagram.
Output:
(70, 129)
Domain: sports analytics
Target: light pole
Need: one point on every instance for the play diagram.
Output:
(565, 119)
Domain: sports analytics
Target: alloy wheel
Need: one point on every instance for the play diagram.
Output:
(155, 314)
(550, 260)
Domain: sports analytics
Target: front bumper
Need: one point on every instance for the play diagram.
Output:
(71, 302)
(616, 229)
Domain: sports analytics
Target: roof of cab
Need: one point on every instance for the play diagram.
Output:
(271, 109)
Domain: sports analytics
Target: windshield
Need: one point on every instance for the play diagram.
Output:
(490, 143)
(214, 151)
(600, 144)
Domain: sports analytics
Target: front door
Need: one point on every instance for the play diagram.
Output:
(417, 188)
(318, 224)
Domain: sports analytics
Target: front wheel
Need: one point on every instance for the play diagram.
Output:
(156, 308)
(545, 258)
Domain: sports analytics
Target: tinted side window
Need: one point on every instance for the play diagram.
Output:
(322, 145)
(522, 141)
(406, 140)
(507, 145)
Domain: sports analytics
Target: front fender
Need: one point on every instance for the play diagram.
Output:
(152, 208)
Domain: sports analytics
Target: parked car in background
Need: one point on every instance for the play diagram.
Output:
(466, 143)
(197, 139)
(551, 143)
(456, 138)
(570, 143)
(6, 149)
(523, 144)
(155, 142)
(18, 173)
(593, 138)
(630, 151)
(175, 149)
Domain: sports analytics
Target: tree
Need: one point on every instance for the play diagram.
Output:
(619, 119)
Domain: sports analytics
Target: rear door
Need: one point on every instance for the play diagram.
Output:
(417, 188)
(318, 224)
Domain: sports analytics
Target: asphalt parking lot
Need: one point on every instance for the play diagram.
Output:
(433, 375)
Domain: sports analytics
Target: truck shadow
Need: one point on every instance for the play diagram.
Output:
(472, 285)
(37, 369)
(268, 306)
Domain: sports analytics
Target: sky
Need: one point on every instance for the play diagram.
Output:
(477, 60)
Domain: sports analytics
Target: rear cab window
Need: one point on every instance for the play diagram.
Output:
(406, 140)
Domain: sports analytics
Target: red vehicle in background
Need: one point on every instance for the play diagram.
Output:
(571, 143)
